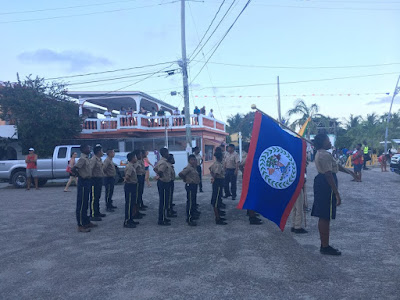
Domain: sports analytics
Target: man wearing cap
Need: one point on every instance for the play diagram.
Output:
(96, 166)
(31, 169)
(231, 164)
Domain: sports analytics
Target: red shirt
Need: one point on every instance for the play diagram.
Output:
(31, 165)
(359, 160)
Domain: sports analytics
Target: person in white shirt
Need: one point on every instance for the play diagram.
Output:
(108, 114)
(176, 111)
(211, 114)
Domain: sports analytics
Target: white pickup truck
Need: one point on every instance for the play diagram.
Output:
(15, 170)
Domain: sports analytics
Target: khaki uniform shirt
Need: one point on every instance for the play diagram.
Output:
(231, 160)
(190, 175)
(83, 167)
(173, 174)
(130, 173)
(139, 166)
(97, 166)
(243, 162)
(217, 170)
(164, 167)
(324, 162)
(109, 168)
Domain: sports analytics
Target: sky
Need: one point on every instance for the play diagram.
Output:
(297, 40)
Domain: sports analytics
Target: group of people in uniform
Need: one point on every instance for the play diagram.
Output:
(93, 173)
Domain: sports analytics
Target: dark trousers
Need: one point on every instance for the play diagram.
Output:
(109, 183)
(231, 178)
(82, 201)
(191, 195)
(216, 198)
(95, 194)
(171, 195)
(200, 173)
(366, 158)
(163, 192)
(130, 197)
(140, 189)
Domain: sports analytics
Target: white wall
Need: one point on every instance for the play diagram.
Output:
(180, 161)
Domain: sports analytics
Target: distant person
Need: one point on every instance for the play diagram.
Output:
(231, 165)
(191, 178)
(183, 111)
(147, 164)
(140, 173)
(196, 111)
(31, 169)
(199, 159)
(211, 114)
(130, 189)
(367, 157)
(108, 113)
(217, 180)
(153, 112)
(96, 165)
(357, 160)
(72, 177)
(122, 111)
(84, 172)
(176, 112)
(203, 110)
(143, 111)
(109, 179)
(383, 161)
(171, 213)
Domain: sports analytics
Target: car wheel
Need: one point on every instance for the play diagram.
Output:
(19, 179)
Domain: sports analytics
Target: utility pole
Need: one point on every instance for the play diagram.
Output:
(185, 79)
(279, 103)
(396, 91)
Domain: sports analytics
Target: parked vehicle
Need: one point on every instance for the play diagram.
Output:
(395, 164)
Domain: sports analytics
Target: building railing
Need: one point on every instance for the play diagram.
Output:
(137, 121)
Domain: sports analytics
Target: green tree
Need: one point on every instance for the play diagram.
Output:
(42, 112)
(241, 123)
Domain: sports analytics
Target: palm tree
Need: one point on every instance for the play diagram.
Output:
(304, 112)
(353, 121)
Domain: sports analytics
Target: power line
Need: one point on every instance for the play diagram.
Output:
(300, 81)
(110, 71)
(88, 14)
(193, 56)
(216, 48)
(300, 67)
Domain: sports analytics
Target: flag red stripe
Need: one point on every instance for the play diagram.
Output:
(296, 194)
(250, 158)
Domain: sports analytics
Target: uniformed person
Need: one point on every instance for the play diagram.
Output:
(109, 179)
(219, 149)
(130, 188)
(199, 159)
(218, 174)
(140, 172)
(170, 210)
(96, 165)
(163, 171)
(191, 178)
(231, 164)
(84, 173)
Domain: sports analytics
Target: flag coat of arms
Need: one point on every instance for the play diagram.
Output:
(274, 171)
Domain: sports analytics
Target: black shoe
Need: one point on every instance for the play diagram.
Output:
(255, 221)
(109, 209)
(301, 230)
(292, 229)
(220, 222)
(201, 191)
(330, 251)
(233, 198)
(113, 207)
(95, 219)
(221, 213)
(101, 215)
(136, 223)
(129, 225)
(171, 215)
(192, 223)
(163, 223)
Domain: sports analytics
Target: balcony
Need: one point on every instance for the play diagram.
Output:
(142, 122)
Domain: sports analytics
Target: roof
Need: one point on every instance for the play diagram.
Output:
(116, 100)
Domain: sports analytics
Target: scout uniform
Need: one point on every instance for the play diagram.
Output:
(163, 169)
(218, 172)
(130, 189)
(171, 212)
(109, 181)
(192, 179)
(84, 186)
(97, 182)
(199, 162)
(140, 172)
(230, 162)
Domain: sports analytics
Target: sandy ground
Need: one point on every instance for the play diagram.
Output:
(44, 257)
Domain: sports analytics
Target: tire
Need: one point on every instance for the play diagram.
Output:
(18, 179)
(42, 182)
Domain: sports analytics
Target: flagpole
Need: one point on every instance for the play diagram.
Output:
(253, 106)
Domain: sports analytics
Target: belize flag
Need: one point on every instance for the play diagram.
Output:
(274, 171)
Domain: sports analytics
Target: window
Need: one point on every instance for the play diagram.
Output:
(209, 150)
(62, 152)
(77, 150)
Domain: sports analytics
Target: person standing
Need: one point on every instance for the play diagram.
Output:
(170, 210)
(140, 172)
(366, 155)
(147, 164)
(31, 169)
(297, 213)
(199, 159)
(109, 179)
(163, 171)
(231, 171)
(191, 178)
(96, 166)
(357, 160)
(203, 110)
(83, 171)
(196, 111)
(217, 180)
(130, 189)
(211, 114)
(71, 164)
(326, 194)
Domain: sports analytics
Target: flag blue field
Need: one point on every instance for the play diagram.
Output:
(274, 171)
